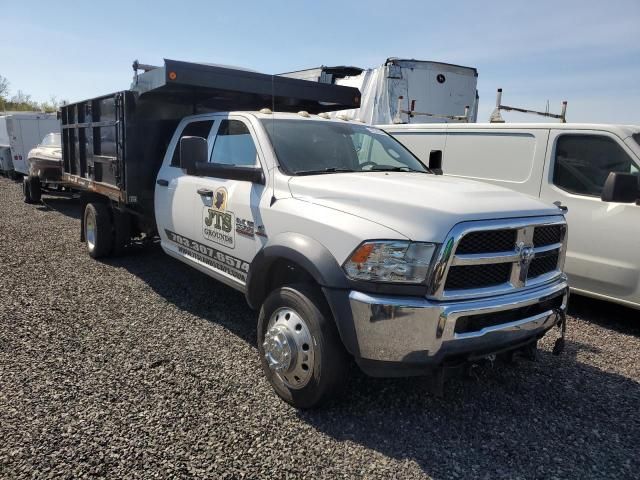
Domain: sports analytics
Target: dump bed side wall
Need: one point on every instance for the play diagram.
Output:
(92, 143)
(114, 145)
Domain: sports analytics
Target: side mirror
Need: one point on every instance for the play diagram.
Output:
(621, 188)
(435, 161)
(192, 150)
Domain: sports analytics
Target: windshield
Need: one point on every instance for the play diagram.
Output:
(51, 140)
(636, 137)
(314, 147)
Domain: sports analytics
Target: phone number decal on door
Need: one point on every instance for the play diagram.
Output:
(215, 258)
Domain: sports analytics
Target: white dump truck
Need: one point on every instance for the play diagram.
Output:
(345, 242)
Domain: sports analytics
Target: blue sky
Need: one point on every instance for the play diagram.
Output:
(587, 52)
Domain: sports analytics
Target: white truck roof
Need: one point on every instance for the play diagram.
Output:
(623, 131)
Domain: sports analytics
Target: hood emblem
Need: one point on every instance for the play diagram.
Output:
(526, 254)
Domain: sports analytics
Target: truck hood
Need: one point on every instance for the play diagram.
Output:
(418, 206)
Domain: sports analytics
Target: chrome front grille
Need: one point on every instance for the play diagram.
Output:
(499, 256)
(477, 276)
(487, 241)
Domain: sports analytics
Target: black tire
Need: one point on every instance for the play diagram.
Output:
(35, 187)
(121, 231)
(330, 361)
(26, 190)
(97, 219)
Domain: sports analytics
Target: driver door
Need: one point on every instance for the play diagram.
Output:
(226, 210)
(603, 255)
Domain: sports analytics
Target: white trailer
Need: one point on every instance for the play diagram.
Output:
(6, 162)
(405, 91)
(22, 131)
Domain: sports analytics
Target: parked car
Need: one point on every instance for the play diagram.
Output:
(45, 168)
(343, 240)
(568, 164)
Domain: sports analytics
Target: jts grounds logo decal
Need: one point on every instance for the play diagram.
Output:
(217, 224)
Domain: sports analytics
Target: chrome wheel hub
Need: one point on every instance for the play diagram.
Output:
(278, 349)
(288, 348)
(90, 231)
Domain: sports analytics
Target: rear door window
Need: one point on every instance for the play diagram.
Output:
(583, 162)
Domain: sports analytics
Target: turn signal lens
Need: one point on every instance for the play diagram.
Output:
(390, 261)
(362, 253)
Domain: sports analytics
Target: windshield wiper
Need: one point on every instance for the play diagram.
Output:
(385, 168)
(324, 170)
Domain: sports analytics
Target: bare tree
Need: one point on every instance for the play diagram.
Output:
(4, 87)
(21, 97)
(52, 105)
(4, 92)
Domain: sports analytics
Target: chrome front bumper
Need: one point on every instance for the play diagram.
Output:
(410, 330)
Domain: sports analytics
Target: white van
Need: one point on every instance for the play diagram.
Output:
(566, 163)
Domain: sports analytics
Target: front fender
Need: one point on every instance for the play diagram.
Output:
(306, 252)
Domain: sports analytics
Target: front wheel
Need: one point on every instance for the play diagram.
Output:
(301, 352)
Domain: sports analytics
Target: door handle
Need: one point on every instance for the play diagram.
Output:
(205, 192)
(162, 182)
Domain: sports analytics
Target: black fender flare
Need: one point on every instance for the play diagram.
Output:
(306, 252)
(318, 262)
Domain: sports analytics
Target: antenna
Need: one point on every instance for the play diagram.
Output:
(496, 117)
(273, 167)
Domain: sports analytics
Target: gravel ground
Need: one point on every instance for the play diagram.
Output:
(141, 367)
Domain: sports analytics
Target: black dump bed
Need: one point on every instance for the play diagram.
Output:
(115, 144)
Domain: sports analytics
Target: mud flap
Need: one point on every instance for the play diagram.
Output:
(558, 347)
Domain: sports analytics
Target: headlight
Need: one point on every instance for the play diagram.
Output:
(390, 261)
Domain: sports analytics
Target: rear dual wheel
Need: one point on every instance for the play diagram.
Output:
(106, 230)
(98, 229)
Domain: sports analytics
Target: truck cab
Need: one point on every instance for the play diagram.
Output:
(297, 210)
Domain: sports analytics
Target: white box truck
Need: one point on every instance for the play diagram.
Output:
(346, 244)
(580, 166)
(22, 131)
(404, 90)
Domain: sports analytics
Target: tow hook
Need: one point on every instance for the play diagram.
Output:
(558, 347)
